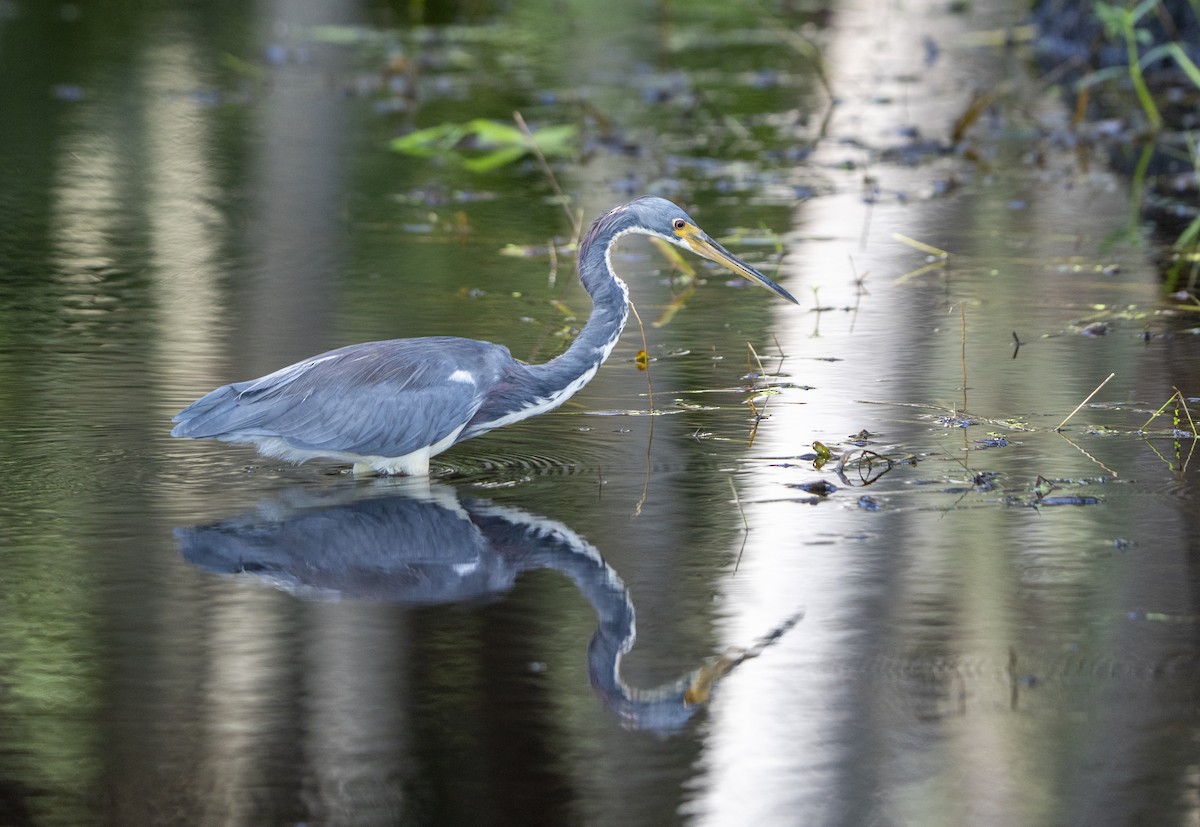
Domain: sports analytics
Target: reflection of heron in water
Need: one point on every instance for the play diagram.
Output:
(388, 542)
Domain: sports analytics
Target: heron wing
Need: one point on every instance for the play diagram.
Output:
(375, 399)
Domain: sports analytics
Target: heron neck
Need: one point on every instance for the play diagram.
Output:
(609, 295)
(610, 306)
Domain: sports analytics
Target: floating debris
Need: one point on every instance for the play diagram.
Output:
(985, 480)
(992, 442)
(820, 488)
(1066, 500)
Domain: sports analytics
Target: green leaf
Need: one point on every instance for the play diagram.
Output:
(1190, 237)
(1174, 50)
(1111, 17)
(493, 160)
(556, 141)
(484, 145)
(425, 143)
(494, 133)
(1101, 75)
(1141, 10)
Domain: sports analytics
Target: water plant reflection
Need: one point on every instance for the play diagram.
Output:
(411, 543)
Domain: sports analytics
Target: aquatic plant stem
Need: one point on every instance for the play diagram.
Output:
(1178, 394)
(1135, 190)
(1089, 456)
(637, 509)
(938, 257)
(745, 524)
(1085, 401)
(920, 245)
(1183, 402)
(574, 219)
(962, 312)
(758, 415)
(646, 350)
(1135, 73)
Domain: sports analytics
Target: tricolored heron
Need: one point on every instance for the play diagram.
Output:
(387, 407)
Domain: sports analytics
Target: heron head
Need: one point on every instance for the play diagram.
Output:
(663, 219)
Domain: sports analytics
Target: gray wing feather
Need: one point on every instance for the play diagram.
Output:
(375, 399)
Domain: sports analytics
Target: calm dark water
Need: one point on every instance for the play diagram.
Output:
(993, 622)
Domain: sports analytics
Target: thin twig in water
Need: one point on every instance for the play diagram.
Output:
(782, 355)
(637, 509)
(808, 49)
(1085, 401)
(1183, 402)
(1158, 453)
(754, 353)
(738, 502)
(646, 350)
(920, 271)
(758, 415)
(745, 524)
(1086, 454)
(1157, 413)
(920, 245)
(804, 46)
(858, 293)
(572, 218)
(1178, 394)
(962, 312)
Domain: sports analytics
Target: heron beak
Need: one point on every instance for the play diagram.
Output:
(702, 245)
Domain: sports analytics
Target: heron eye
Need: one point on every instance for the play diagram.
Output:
(679, 223)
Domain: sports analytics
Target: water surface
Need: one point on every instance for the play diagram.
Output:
(993, 623)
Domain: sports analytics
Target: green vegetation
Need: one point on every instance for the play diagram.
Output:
(483, 145)
(1125, 24)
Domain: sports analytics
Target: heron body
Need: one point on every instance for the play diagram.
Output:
(388, 407)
